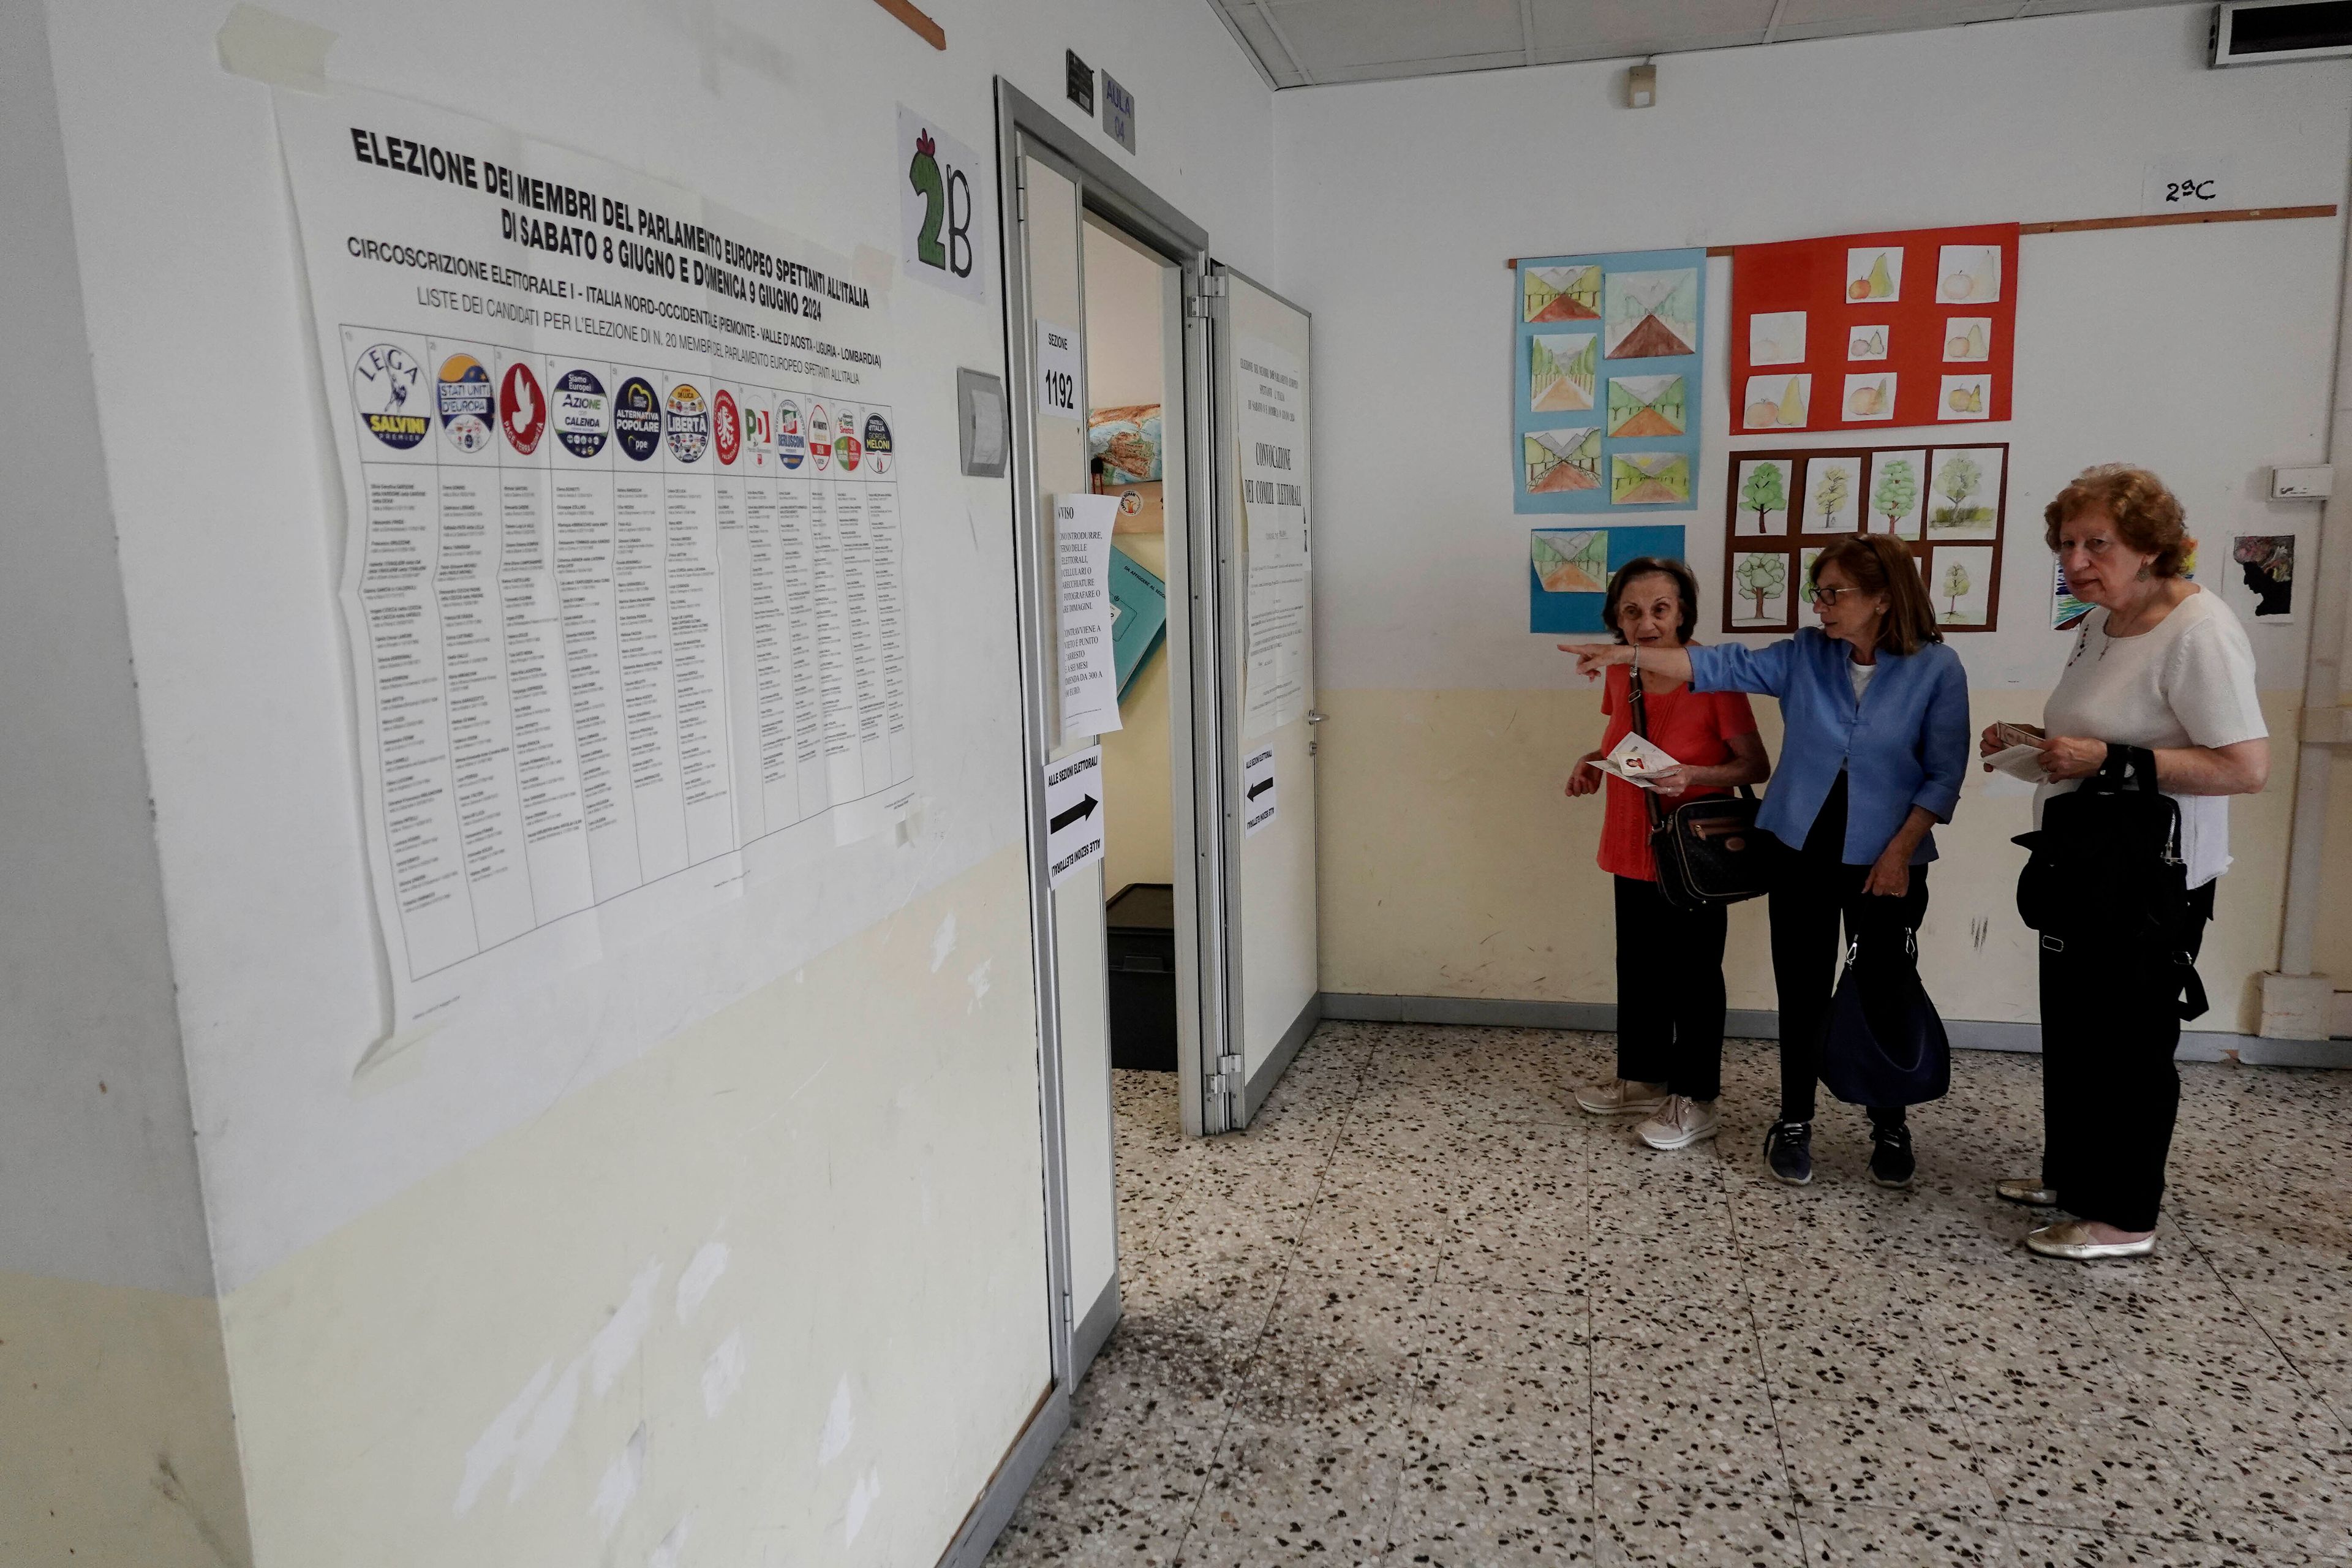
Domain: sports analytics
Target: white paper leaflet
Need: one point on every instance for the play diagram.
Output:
(1269, 396)
(1257, 791)
(625, 572)
(1082, 529)
(1073, 817)
(1634, 759)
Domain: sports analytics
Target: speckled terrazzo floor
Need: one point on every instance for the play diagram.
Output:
(1425, 1312)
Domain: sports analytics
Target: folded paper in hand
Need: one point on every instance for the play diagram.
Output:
(1634, 759)
(2019, 762)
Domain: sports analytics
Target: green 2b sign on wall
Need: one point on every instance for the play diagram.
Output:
(941, 218)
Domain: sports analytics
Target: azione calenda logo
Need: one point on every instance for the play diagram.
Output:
(582, 416)
(387, 388)
(463, 397)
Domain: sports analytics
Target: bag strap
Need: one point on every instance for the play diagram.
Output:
(1638, 711)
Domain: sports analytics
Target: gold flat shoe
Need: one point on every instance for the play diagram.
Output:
(2025, 1190)
(2071, 1239)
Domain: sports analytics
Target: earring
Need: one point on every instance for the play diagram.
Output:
(2143, 575)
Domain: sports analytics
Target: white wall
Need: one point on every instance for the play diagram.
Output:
(501, 1130)
(2204, 351)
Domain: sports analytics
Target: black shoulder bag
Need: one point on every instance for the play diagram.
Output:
(1884, 1043)
(2106, 870)
(1709, 851)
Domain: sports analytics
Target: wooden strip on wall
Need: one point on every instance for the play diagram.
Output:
(922, 26)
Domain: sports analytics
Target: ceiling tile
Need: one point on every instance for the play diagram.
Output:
(1331, 36)
(1601, 29)
(1251, 25)
(1391, 70)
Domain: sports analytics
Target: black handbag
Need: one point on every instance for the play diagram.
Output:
(2104, 871)
(1708, 851)
(1904, 1060)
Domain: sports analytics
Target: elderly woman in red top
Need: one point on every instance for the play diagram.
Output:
(1669, 963)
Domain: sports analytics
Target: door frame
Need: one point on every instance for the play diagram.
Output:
(1026, 128)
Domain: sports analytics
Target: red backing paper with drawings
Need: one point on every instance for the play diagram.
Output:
(1872, 332)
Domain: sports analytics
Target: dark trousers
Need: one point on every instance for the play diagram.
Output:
(2110, 1022)
(1669, 992)
(1814, 892)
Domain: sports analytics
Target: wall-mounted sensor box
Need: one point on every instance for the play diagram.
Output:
(2315, 483)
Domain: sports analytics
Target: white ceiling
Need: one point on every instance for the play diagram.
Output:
(1305, 42)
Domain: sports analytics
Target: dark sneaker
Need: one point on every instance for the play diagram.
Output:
(1891, 1161)
(1788, 1151)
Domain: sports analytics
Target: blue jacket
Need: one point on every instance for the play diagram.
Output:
(1905, 745)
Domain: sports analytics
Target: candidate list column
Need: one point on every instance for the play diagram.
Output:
(697, 613)
(641, 599)
(796, 570)
(887, 544)
(391, 396)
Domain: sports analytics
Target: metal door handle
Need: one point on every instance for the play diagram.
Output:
(1315, 716)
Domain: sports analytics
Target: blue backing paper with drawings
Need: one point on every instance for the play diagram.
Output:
(1606, 381)
(1138, 617)
(1569, 569)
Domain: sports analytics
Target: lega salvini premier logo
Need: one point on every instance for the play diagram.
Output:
(387, 385)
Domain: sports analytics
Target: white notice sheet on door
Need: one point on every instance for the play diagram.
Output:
(1268, 394)
(625, 572)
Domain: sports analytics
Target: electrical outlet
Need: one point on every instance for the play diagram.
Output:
(2315, 483)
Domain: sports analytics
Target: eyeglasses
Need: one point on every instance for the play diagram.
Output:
(1828, 596)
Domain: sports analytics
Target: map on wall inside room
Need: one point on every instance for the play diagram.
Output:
(1913, 328)
(1947, 504)
(1606, 381)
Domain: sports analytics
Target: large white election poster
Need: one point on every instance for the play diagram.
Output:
(623, 572)
(1273, 499)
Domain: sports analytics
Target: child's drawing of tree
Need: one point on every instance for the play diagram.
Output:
(1956, 588)
(1764, 492)
(1762, 578)
(1957, 481)
(1836, 485)
(1898, 488)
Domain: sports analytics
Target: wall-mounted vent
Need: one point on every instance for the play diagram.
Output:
(2257, 31)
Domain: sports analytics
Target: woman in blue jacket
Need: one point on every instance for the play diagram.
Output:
(1875, 709)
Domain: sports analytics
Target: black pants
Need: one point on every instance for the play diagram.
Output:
(2110, 1022)
(1813, 892)
(1669, 992)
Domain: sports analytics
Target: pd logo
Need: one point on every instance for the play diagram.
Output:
(522, 409)
(726, 429)
(792, 441)
(386, 386)
(464, 395)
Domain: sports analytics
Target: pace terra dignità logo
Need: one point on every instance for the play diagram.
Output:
(463, 397)
(690, 423)
(522, 409)
(387, 386)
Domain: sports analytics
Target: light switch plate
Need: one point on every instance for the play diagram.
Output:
(2315, 483)
(984, 424)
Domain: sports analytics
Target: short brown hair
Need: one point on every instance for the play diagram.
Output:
(2147, 517)
(1685, 587)
(1880, 564)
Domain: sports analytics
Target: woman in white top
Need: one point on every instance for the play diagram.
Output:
(2161, 677)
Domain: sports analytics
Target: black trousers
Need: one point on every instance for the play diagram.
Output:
(1815, 891)
(2110, 1094)
(1669, 992)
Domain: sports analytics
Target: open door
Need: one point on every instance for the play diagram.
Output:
(1263, 383)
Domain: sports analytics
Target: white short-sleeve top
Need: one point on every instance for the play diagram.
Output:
(2188, 680)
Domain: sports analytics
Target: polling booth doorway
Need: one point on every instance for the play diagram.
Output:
(1157, 884)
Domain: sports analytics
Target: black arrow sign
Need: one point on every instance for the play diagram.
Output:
(1259, 788)
(1083, 809)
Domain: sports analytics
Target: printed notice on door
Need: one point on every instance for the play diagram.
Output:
(625, 579)
(1269, 397)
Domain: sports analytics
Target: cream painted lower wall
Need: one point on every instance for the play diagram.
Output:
(1453, 865)
(1140, 833)
(2332, 943)
(116, 1445)
(777, 1289)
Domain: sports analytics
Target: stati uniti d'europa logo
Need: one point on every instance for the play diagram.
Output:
(464, 399)
(582, 416)
(637, 419)
(387, 389)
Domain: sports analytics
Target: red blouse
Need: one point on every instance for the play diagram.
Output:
(1694, 728)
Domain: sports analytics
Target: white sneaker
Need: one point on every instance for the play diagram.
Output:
(1680, 1122)
(1621, 1096)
